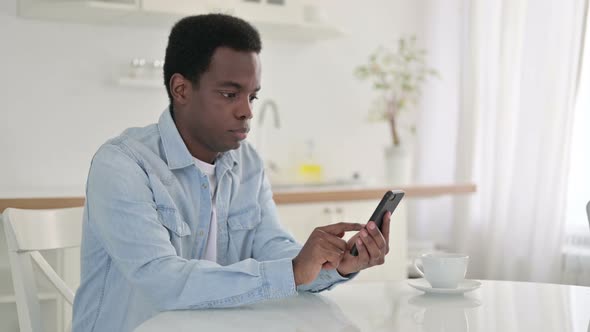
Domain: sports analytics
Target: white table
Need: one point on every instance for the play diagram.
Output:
(394, 306)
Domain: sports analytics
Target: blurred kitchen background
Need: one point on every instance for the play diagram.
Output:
(507, 113)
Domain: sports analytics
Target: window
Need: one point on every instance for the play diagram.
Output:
(579, 173)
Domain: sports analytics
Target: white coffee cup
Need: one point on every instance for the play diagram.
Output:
(443, 270)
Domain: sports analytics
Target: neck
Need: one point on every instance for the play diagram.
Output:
(195, 148)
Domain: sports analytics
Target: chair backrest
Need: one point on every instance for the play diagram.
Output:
(27, 233)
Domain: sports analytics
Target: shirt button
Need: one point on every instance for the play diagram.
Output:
(201, 233)
(204, 185)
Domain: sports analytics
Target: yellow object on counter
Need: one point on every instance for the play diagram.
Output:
(309, 170)
(310, 173)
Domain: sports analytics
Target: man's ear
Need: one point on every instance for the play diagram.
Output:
(180, 89)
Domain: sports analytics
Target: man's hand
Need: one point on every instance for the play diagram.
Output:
(372, 246)
(324, 249)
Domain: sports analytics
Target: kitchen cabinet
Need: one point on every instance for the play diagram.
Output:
(276, 19)
(277, 11)
(82, 11)
(301, 219)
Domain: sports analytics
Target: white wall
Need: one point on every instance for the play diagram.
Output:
(60, 104)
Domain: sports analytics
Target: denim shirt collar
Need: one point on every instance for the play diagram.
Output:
(177, 154)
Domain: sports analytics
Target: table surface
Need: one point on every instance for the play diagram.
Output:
(395, 306)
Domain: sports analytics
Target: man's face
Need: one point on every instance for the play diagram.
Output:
(217, 111)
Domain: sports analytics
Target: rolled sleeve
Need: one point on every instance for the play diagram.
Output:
(326, 280)
(279, 277)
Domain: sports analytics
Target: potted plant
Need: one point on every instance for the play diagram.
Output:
(397, 75)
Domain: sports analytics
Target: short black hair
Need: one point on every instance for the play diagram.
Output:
(194, 39)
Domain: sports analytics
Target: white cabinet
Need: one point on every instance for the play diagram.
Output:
(301, 219)
(269, 11)
(178, 7)
(87, 11)
(273, 11)
(276, 19)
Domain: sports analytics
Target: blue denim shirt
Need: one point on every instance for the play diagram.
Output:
(146, 222)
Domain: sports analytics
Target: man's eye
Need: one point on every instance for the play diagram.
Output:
(229, 95)
(252, 98)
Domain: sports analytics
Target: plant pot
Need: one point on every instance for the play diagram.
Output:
(398, 165)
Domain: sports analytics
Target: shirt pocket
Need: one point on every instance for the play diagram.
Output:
(248, 219)
(172, 220)
(242, 228)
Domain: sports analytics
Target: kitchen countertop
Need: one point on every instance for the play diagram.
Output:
(282, 195)
(310, 194)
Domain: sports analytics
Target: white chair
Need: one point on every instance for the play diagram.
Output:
(27, 233)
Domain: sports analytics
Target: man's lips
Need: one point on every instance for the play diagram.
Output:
(240, 133)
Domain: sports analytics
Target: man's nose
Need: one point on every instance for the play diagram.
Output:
(244, 111)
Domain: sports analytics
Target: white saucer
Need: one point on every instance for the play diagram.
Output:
(464, 286)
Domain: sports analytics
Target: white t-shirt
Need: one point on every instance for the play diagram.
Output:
(211, 248)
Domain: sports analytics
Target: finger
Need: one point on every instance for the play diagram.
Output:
(341, 227)
(385, 226)
(334, 240)
(377, 236)
(363, 257)
(332, 256)
(338, 248)
(352, 240)
(374, 252)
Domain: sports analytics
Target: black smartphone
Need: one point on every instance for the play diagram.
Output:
(388, 203)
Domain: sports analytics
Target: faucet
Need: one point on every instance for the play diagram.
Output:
(275, 109)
